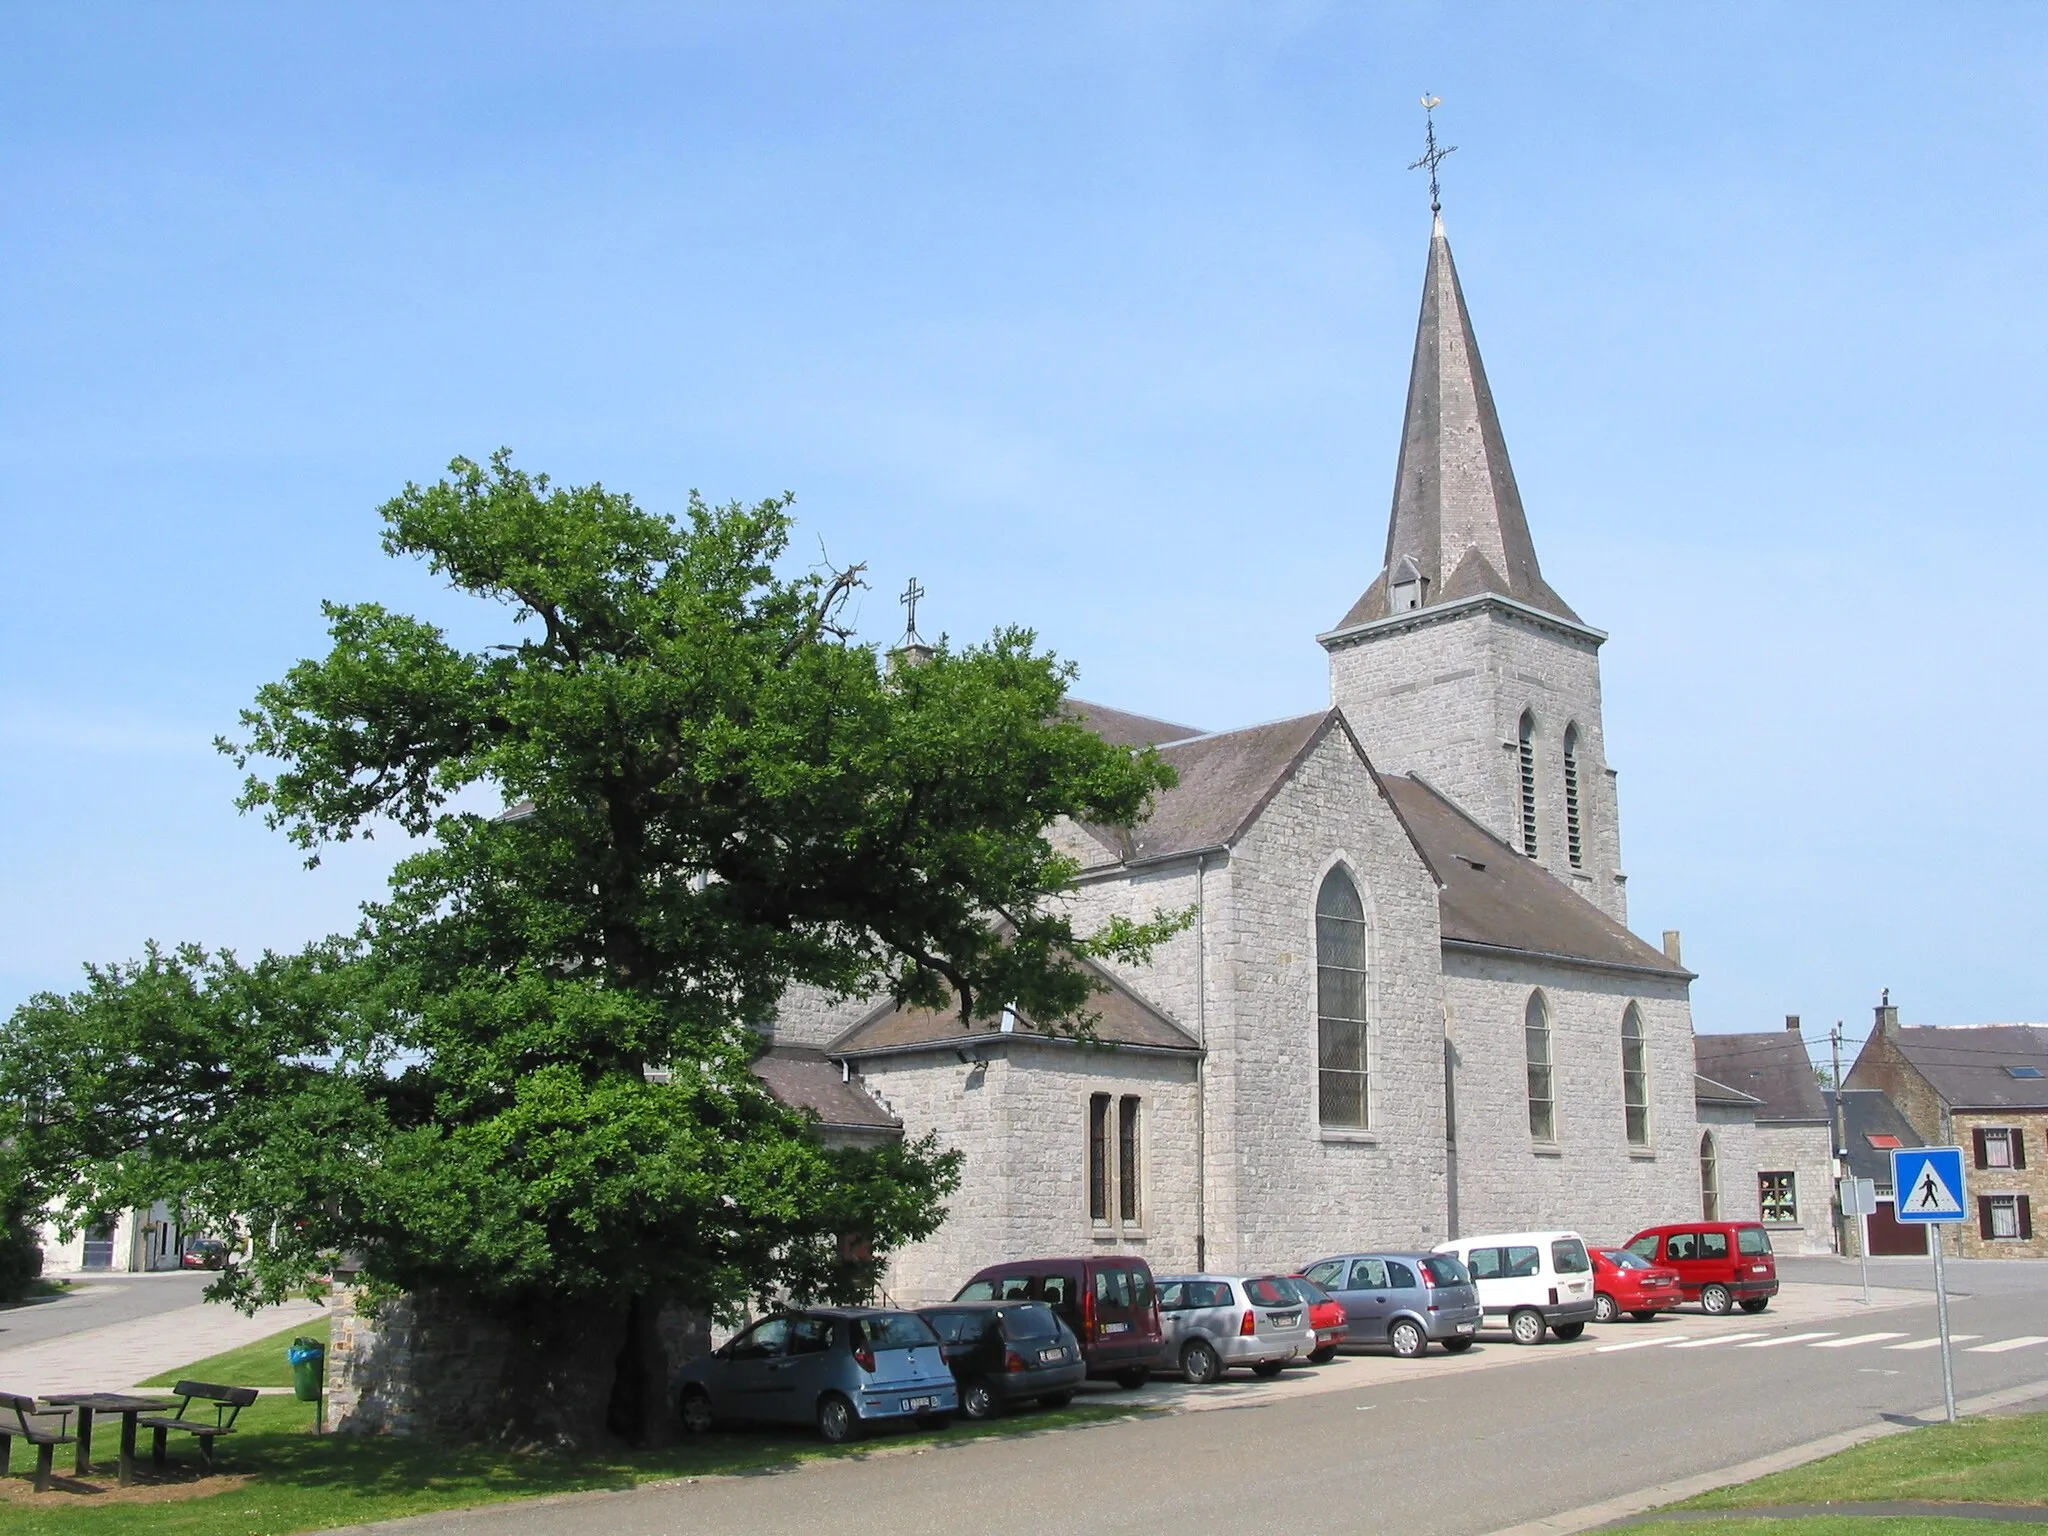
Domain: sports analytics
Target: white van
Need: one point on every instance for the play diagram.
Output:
(1530, 1281)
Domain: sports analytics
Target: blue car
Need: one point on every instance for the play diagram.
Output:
(840, 1368)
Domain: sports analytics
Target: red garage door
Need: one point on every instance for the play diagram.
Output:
(1893, 1238)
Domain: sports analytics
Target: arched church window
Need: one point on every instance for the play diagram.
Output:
(1542, 1082)
(1342, 1045)
(1528, 766)
(1710, 1178)
(1635, 1077)
(1574, 843)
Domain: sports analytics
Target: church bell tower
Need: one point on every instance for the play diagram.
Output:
(1459, 664)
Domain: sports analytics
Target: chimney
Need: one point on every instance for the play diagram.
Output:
(1671, 946)
(1792, 1022)
(1887, 1014)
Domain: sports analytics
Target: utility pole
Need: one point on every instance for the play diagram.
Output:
(1841, 1136)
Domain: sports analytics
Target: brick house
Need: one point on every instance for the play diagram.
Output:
(1983, 1087)
(1793, 1145)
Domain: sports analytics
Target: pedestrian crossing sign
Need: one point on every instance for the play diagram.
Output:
(1927, 1183)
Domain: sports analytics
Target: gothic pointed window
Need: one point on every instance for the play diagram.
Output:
(1342, 1044)
(1635, 1078)
(1542, 1081)
(1710, 1178)
(1574, 841)
(1527, 761)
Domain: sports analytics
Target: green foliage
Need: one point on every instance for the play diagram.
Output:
(527, 1075)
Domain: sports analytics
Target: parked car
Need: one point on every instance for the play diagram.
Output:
(1325, 1315)
(840, 1368)
(1402, 1300)
(1213, 1322)
(1006, 1352)
(204, 1253)
(1628, 1282)
(1109, 1301)
(1720, 1264)
(1530, 1281)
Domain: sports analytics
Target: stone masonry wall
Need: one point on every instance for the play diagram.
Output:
(1735, 1132)
(2032, 1181)
(1806, 1152)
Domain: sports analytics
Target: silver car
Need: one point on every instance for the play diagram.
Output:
(1210, 1323)
(840, 1368)
(1403, 1300)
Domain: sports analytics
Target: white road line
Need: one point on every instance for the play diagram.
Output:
(1725, 1338)
(1789, 1338)
(1609, 1349)
(1935, 1342)
(1861, 1338)
(2003, 1345)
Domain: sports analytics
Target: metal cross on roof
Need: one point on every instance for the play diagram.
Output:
(1432, 157)
(909, 599)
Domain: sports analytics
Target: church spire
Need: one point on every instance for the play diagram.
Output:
(1457, 528)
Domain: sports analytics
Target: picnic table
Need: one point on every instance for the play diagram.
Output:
(90, 1403)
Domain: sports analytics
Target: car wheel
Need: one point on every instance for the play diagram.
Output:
(838, 1424)
(979, 1401)
(696, 1411)
(1527, 1326)
(1605, 1308)
(1644, 1317)
(1199, 1363)
(1055, 1399)
(1408, 1339)
(1755, 1303)
(1134, 1378)
(1322, 1354)
(1716, 1301)
(1456, 1346)
(1268, 1368)
(1567, 1331)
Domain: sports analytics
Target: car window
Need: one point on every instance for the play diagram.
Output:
(1113, 1288)
(1369, 1275)
(1644, 1247)
(1521, 1263)
(1713, 1245)
(1140, 1283)
(1329, 1274)
(767, 1340)
(1017, 1288)
(893, 1330)
(1173, 1295)
(1624, 1258)
(1053, 1290)
(1400, 1276)
(810, 1335)
(950, 1326)
(1308, 1290)
(1568, 1256)
(1032, 1322)
(1754, 1241)
(977, 1290)
(1445, 1270)
(1209, 1293)
(1267, 1291)
(1486, 1263)
(1682, 1247)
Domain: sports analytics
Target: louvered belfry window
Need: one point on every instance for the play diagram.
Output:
(1635, 1078)
(1574, 843)
(1528, 765)
(1343, 1043)
(1542, 1092)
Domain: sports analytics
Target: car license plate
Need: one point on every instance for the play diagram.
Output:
(1109, 1328)
(1468, 1327)
(919, 1404)
(1048, 1356)
(1285, 1319)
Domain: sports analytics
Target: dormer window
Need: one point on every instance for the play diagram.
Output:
(1405, 586)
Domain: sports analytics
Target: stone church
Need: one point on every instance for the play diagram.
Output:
(1409, 1004)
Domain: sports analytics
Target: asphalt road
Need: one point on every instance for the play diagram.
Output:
(1455, 1454)
(96, 1302)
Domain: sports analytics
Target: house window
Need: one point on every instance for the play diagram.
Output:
(1528, 765)
(1342, 1044)
(1127, 1165)
(1999, 1147)
(2004, 1217)
(1098, 1159)
(1778, 1195)
(1710, 1178)
(1574, 844)
(1536, 1047)
(1635, 1078)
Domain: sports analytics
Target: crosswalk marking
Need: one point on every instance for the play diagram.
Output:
(1609, 1349)
(1861, 1338)
(1935, 1342)
(2003, 1345)
(1788, 1338)
(1726, 1338)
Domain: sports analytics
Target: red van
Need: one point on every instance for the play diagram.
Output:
(1720, 1264)
(1109, 1301)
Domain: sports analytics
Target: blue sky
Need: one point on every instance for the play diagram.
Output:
(1095, 318)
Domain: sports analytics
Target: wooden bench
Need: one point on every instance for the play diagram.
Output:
(15, 1414)
(225, 1405)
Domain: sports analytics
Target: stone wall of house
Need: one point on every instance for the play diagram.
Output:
(1589, 1178)
(2031, 1127)
(1441, 695)
(1880, 1065)
(808, 1016)
(1806, 1151)
(1020, 1117)
(1735, 1136)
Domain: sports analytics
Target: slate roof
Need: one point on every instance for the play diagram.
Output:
(1123, 1019)
(808, 1079)
(1772, 1065)
(1965, 1063)
(1868, 1112)
(1706, 1091)
(1121, 728)
(1457, 510)
(1494, 898)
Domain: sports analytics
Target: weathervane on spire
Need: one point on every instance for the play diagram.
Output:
(1432, 157)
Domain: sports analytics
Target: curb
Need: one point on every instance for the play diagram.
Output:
(1617, 1511)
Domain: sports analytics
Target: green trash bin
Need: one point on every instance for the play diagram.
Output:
(309, 1368)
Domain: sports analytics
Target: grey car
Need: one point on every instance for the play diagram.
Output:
(1209, 1323)
(1403, 1300)
(840, 1368)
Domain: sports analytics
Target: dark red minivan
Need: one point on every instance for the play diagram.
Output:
(1720, 1264)
(1109, 1301)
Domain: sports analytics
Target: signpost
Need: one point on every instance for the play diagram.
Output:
(1859, 1199)
(1927, 1186)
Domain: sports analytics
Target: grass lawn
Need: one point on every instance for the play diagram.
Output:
(275, 1477)
(262, 1364)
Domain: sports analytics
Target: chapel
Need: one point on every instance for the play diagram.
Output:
(1409, 1004)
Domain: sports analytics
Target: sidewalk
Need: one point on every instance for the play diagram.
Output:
(125, 1354)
